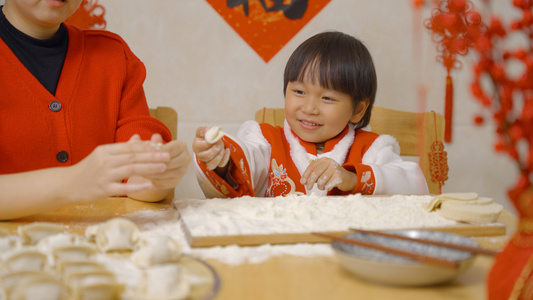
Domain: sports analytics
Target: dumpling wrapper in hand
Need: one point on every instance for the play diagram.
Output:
(214, 134)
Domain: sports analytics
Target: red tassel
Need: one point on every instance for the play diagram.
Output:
(448, 110)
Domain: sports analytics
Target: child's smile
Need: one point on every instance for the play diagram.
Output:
(309, 125)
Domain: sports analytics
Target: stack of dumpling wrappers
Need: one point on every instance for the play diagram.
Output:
(44, 262)
(466, 207)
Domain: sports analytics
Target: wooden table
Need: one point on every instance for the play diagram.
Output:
(287, 277)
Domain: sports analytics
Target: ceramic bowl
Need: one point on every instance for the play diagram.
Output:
(390, 269)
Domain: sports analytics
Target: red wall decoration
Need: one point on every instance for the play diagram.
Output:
(455, 26)
(90, 15)
(267, 25)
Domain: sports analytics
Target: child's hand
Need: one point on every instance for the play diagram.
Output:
(101, 173)
(214, 155)
(327, 174)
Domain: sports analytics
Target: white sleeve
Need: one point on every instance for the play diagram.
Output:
(393, 175)
(257, 151)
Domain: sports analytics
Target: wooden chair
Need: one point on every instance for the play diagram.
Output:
(419, 135)
(169, 117)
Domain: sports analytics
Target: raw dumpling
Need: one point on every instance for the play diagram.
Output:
(9, 243)
(25, 260)
(43, 287)
(51, 242)
(67, 268)
(156, 250)
(117, 234)
(80, 279)
(34, 232)
(91, 231)
(97, 285)
(166, 281)
(11, 279)
(99, 291)
(82, 252)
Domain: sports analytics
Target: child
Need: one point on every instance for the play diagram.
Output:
(330, 86)
(74, 115)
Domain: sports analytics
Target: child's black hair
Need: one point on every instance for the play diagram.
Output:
(343, 63)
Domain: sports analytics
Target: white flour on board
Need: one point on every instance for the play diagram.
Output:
(291, 214)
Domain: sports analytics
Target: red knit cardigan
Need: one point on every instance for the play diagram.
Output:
(101, 96)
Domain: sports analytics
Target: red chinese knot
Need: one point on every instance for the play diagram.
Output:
(455, 27)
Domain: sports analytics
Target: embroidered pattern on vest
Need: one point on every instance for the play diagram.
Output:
(279, 183)
(366, 179)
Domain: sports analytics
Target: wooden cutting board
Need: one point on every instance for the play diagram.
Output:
(504, 225)
(495, 229)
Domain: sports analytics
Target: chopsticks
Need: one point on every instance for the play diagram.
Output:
(476, 250)
(415, 256)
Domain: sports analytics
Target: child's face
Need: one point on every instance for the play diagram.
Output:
(39, 16)
(317, 114)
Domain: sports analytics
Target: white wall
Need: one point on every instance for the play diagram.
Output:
(197, 64)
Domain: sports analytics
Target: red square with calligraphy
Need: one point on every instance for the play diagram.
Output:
(267, 25)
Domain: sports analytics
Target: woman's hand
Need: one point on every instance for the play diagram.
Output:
(101, 173)
(176, 167)
(328, 174)
(214, 155)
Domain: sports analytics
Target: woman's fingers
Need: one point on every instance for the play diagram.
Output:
(132, 146)
(138, 169)
(119, 188)
(156, 139)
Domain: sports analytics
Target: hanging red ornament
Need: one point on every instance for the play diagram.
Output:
(438, 160)
(418, 3)
(455, 27)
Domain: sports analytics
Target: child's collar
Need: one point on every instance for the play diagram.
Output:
(329, 145)
(303, 152)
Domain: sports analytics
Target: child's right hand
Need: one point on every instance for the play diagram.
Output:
(214, 155)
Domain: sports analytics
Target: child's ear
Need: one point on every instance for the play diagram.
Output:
(360, 111)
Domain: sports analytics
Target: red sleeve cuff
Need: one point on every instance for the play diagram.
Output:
(239, 172)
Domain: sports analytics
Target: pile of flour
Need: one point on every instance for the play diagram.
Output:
(291, 214)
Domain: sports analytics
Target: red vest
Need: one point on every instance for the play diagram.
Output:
(284, 177)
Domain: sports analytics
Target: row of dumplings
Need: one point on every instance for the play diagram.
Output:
(46, 263)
